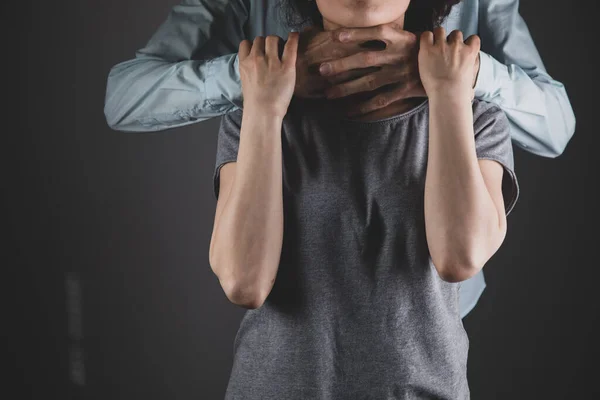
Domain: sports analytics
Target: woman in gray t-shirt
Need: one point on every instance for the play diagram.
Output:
(347, 239)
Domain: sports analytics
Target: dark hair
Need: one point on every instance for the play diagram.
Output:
(421, 15)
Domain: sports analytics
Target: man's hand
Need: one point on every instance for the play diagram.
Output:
(395, 67)
(317, 46)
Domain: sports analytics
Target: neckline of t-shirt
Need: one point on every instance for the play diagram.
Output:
(402, 115)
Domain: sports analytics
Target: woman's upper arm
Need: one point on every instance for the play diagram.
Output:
(493, 174)
(226, 176)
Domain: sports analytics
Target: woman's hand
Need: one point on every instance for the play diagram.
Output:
(447, 65)
(268, 81)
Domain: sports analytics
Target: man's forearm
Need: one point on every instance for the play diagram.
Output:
(514, 77)
(537, 106)
(462, 222)
(185, 74)
(150, 94)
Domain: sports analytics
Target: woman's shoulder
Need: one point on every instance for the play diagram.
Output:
(488, 116)
(486, 109)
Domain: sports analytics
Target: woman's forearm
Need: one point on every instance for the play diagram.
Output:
(249, 236)
(462, 223)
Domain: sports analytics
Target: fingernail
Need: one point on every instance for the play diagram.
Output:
(344, 36)
(325, 69)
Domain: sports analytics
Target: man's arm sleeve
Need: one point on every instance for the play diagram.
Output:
(513, 76)
(188, 72)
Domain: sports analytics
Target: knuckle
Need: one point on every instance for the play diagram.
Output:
(337, 52)
(410, 85)
(369, 57)
(362, 109)
(381, 101)
(372, 82)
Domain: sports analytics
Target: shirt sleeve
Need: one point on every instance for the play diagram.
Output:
(493, 142)
(228, 144)
(188, 72)
(512, 75)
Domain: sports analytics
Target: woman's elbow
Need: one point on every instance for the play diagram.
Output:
(241, 292)
(453, 271)
(462, 265)
(247, 295)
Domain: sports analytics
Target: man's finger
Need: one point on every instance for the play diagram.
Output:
(365, 83)
(364, 59)
(374, 103)
(362, 84)
(352, 74)
(397, 92)
(384, 32)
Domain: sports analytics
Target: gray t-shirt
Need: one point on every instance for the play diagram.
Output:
(357, 310)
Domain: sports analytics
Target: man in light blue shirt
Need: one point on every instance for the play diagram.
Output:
(188, 72)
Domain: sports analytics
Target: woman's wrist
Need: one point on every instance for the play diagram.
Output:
(450, 97)
(263, 119)
(265, 110)
(451, 114)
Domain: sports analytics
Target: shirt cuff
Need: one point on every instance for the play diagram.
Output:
(222, 83)
(491, 73)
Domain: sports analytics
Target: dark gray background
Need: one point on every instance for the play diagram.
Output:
(131, 215)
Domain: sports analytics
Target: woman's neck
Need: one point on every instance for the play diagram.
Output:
(331, 26)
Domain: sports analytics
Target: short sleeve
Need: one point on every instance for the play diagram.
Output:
(228, 143)
(493, 142)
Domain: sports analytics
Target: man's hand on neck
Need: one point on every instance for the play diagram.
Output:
(381, 57)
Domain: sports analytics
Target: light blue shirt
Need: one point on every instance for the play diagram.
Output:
(188, 72)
